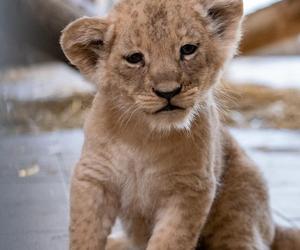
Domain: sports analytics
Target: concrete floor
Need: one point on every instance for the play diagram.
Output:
(34, 209)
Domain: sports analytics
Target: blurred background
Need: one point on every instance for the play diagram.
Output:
(43, 102)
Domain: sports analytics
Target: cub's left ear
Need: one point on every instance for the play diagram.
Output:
(225, 17)
(86, 41)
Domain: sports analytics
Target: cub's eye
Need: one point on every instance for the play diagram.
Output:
(188, 49)
(135, 58)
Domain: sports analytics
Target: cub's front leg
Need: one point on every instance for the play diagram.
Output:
(182, 216)
(94, 207)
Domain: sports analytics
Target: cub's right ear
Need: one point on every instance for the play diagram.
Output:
(86, 41)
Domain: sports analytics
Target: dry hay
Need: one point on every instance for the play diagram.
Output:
(262, 107)
(49, 115)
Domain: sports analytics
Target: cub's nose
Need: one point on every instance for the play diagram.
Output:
(169, 94)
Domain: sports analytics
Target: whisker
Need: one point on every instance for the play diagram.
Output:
(146, 97)
(131, 115)
(190, 92)
(129, 111)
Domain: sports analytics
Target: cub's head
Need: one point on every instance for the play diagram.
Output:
(156, 60)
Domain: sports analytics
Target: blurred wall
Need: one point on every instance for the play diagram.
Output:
(30, 29)
(289, 47)
(23, 40)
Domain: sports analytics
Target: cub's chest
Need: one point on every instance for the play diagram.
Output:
(143, 181)
(138, 187)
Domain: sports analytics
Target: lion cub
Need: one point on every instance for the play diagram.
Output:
(155, 153)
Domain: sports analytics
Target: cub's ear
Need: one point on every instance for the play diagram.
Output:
(86, 41)
(225, 17)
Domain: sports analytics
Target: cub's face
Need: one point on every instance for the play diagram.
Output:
(156, 60)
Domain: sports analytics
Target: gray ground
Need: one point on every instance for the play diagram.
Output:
(34, 209)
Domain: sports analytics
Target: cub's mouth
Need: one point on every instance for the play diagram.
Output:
(169, 107)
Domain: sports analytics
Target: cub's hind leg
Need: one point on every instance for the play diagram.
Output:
(240, 218)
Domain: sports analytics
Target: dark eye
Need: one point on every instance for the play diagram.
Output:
(188, 49)
(135, 58)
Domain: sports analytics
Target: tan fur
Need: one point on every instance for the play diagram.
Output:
(176, 179)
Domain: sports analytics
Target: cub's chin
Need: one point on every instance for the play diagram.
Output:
(171, 118)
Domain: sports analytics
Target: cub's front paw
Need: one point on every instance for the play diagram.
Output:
(121, 243)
